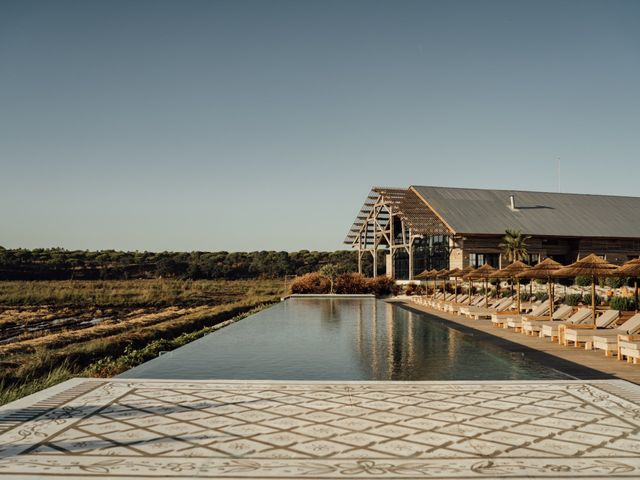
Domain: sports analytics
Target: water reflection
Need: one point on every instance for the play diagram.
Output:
(339, 339)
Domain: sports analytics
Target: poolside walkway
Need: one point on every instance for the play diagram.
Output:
(578, 362)
(120, 428)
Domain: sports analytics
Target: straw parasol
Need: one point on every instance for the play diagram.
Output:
(590, 266)
(483, 273)
(425, 275)
(512, 271)
(544, 270)
(455, 274)
(631, 269)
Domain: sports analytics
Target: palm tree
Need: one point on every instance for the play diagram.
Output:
(514, 245)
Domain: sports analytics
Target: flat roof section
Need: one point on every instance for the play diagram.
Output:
(120, 428)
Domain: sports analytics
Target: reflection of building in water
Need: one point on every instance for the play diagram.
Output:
(394, 344)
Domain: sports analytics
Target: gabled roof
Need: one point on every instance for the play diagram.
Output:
(405, 203)
(480, 211)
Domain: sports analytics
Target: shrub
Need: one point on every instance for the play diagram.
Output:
(615, 282)
(541, 296)
(622, 303)
(311, 283)
(380, 285)
(420, 290)
(397, 289)
(410, 289)
(350, 283)
(573, 299)
(587, 299)
(583, 281)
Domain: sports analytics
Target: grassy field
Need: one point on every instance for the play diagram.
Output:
(49, 332)
(133, 293)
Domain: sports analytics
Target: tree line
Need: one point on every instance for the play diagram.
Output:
(62, 264)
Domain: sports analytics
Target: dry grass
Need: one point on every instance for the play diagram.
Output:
(132, 293)
(139, 312)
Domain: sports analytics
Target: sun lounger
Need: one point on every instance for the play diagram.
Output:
(578, 334)
(628, 346)
(502, 319)
(479, 312)
(552, 329)
(607, 340)
(449, 306)
(533, 324)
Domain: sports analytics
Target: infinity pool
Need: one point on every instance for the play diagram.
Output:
(341, 339)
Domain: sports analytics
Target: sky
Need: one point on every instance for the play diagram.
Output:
(262, 125)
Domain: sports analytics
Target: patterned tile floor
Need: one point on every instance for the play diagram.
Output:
(208, 429)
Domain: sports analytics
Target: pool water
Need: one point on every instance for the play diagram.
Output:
(341, 339)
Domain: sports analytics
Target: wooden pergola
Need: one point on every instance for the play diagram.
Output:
(392, 219)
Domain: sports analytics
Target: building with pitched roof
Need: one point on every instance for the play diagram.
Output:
(423, 227)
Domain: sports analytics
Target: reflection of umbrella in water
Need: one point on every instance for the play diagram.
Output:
(591, 266)
(545, 270)
(631, 269)
(483, 273)
(511, 271)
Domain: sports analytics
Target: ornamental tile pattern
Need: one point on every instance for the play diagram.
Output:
(323, 430)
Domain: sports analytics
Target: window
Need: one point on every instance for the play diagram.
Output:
(478, 259)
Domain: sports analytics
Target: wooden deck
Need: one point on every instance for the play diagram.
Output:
(578, 362)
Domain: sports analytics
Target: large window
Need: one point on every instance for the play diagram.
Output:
(478, 259)
(428, 253)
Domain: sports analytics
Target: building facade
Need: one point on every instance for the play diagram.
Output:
(421, 227)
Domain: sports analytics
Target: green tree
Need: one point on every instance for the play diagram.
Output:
(331, 272)
(514, 245)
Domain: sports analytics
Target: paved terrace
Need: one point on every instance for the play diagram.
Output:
(121, 428)
(578, 362)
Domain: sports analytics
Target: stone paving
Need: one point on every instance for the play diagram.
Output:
(121, 428)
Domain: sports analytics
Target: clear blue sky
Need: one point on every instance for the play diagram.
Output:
(239, 125)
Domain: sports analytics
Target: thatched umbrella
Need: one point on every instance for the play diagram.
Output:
(511, 271)
(423, 275)
(426, 275)
(455, 274)
(544, 270)
(590, 266)
(631, 269)
(483, 273)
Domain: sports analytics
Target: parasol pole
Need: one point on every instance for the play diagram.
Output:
(456, 289)
(635, 284)
(550, 298)
(593, 299)
(486, 296)
(518, 293)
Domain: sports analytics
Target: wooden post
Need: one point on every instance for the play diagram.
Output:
(375, 262)
(550, 294)
(593, 299)
(410, 251)
(456, 280)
